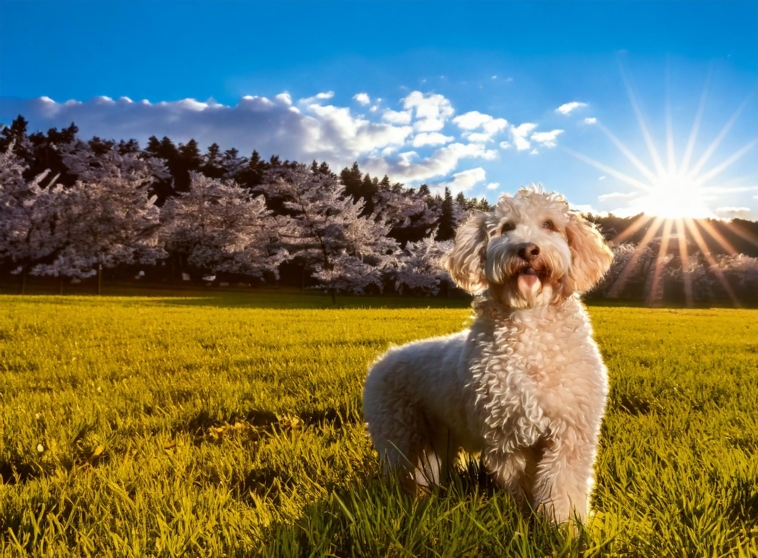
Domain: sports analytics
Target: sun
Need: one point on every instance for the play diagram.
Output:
(671, 200)
(674, 196)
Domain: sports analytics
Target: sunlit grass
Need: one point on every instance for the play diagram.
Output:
(212, 426)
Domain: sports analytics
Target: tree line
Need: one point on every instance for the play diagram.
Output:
(72, 209)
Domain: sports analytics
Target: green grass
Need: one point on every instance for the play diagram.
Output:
(231, 425)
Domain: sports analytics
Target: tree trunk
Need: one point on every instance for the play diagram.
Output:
(23, 281)
(99, 279)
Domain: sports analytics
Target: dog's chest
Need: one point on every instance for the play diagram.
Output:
(533, 374)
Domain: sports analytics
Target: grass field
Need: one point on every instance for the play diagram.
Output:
(231, 425)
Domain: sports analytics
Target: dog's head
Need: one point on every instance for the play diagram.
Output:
(528, 251)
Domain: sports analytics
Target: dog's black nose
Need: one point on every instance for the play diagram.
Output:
(529, 252)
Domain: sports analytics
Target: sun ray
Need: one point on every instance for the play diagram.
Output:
(671, 158)
(717, 236)
(685, 257)
(711, 261)
(629, 155)
(715, 143)
(696, 125)
(726, 164)
(739, 231)
(609, 170)
(643, 127)
(620, 283)
(640, 222)
(653, 295)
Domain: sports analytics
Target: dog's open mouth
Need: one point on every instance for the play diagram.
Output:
(529, 280)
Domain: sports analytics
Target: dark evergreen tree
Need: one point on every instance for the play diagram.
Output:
(325, 170)
(16, 133)
(46, 153)
(462, 202)
(212, 167)
(352, 179)
(252, 174)
(127, 147)
(166, 150)
(101, 147)
(446, 229)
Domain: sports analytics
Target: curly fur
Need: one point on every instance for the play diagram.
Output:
(525, 386)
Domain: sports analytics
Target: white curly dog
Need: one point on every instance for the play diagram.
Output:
(526, 385)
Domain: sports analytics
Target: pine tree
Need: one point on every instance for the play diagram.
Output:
(447, 218)
(352, 180)
(212, 162)
(16, 135)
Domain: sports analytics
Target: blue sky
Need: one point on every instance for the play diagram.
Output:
(458, 93)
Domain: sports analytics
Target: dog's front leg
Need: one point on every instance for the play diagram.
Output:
(564, 477)
(508, 472)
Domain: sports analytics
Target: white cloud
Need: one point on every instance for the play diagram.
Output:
(733, 212)
(285, 98)
(590, 120)
(432, 110)
(547, 139)
(616, 195)
(362, 98)
(317, 131)
(337, 129)
(520, 133)
(407, 157)
(317, 98)
(475, 120)
(442, 162)
(566, 108)
(472, 120)
(477, 137)
(493, 186)
(397, 117)
(461, 182)
(399, 143)
(430, 138)
(587, 208)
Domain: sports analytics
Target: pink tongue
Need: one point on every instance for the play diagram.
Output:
(527, 282)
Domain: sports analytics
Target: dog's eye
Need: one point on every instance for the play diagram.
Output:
(548, 225)
(504, 228)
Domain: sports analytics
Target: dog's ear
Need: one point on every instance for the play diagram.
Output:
(465, 262)
(590, 255)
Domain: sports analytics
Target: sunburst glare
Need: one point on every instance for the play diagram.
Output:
(673, 194)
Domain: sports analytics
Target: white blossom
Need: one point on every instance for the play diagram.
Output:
(219, 226)
(106, 218)
(25, 214)
(420, 267)
(325, 231)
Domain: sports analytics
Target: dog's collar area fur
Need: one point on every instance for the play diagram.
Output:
(485, 306)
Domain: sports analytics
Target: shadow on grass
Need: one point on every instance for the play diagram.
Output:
(285, 298)
(469, 517)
